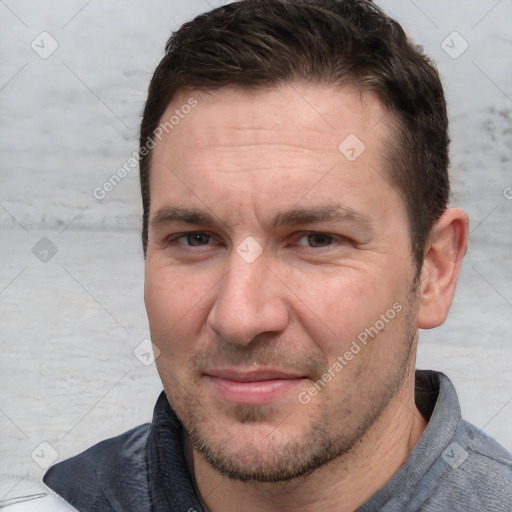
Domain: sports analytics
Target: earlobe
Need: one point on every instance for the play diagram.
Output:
(444, 253)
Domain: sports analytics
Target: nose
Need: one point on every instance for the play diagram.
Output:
(250, 301)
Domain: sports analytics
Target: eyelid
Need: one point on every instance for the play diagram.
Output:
(176, 236)
(335, 238)
(295, 237)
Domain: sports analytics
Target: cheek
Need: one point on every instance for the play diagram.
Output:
(175, 315)
(336, 307)
(175, 303)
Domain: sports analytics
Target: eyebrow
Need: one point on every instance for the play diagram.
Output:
(169, 214)
(320, 214)
(294, 216)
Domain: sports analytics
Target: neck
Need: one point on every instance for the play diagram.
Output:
(340, 486)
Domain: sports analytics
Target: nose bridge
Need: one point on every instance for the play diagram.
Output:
(249, 302)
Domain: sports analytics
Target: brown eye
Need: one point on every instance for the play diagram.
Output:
(197, 239)
(318, 240)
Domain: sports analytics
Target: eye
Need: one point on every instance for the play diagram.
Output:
(316, 240)
(194, 239)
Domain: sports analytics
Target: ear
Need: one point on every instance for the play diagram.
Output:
(444, 252)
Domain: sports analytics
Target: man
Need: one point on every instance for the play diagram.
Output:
(294, 180)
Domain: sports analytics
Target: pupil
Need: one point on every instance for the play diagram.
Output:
(318, 240)
(198, 239)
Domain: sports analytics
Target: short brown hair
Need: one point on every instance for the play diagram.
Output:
(258, 44)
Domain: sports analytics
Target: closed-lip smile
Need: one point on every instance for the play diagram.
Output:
(252, 386)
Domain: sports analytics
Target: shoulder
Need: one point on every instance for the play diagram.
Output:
(478, 475)
(486, 458)
(105, 474)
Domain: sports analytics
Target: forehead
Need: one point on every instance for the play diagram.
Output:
(254, 143)
(326, 112)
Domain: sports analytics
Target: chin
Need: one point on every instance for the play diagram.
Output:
(253, 449)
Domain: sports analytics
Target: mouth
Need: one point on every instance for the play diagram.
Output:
(252, 387)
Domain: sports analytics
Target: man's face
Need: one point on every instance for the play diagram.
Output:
(278, 259)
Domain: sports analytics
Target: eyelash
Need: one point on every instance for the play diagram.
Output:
(333, 238)
(175, 238)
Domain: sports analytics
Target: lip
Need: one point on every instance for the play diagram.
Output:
(252, 387)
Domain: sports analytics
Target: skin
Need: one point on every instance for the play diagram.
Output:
(242, 160)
